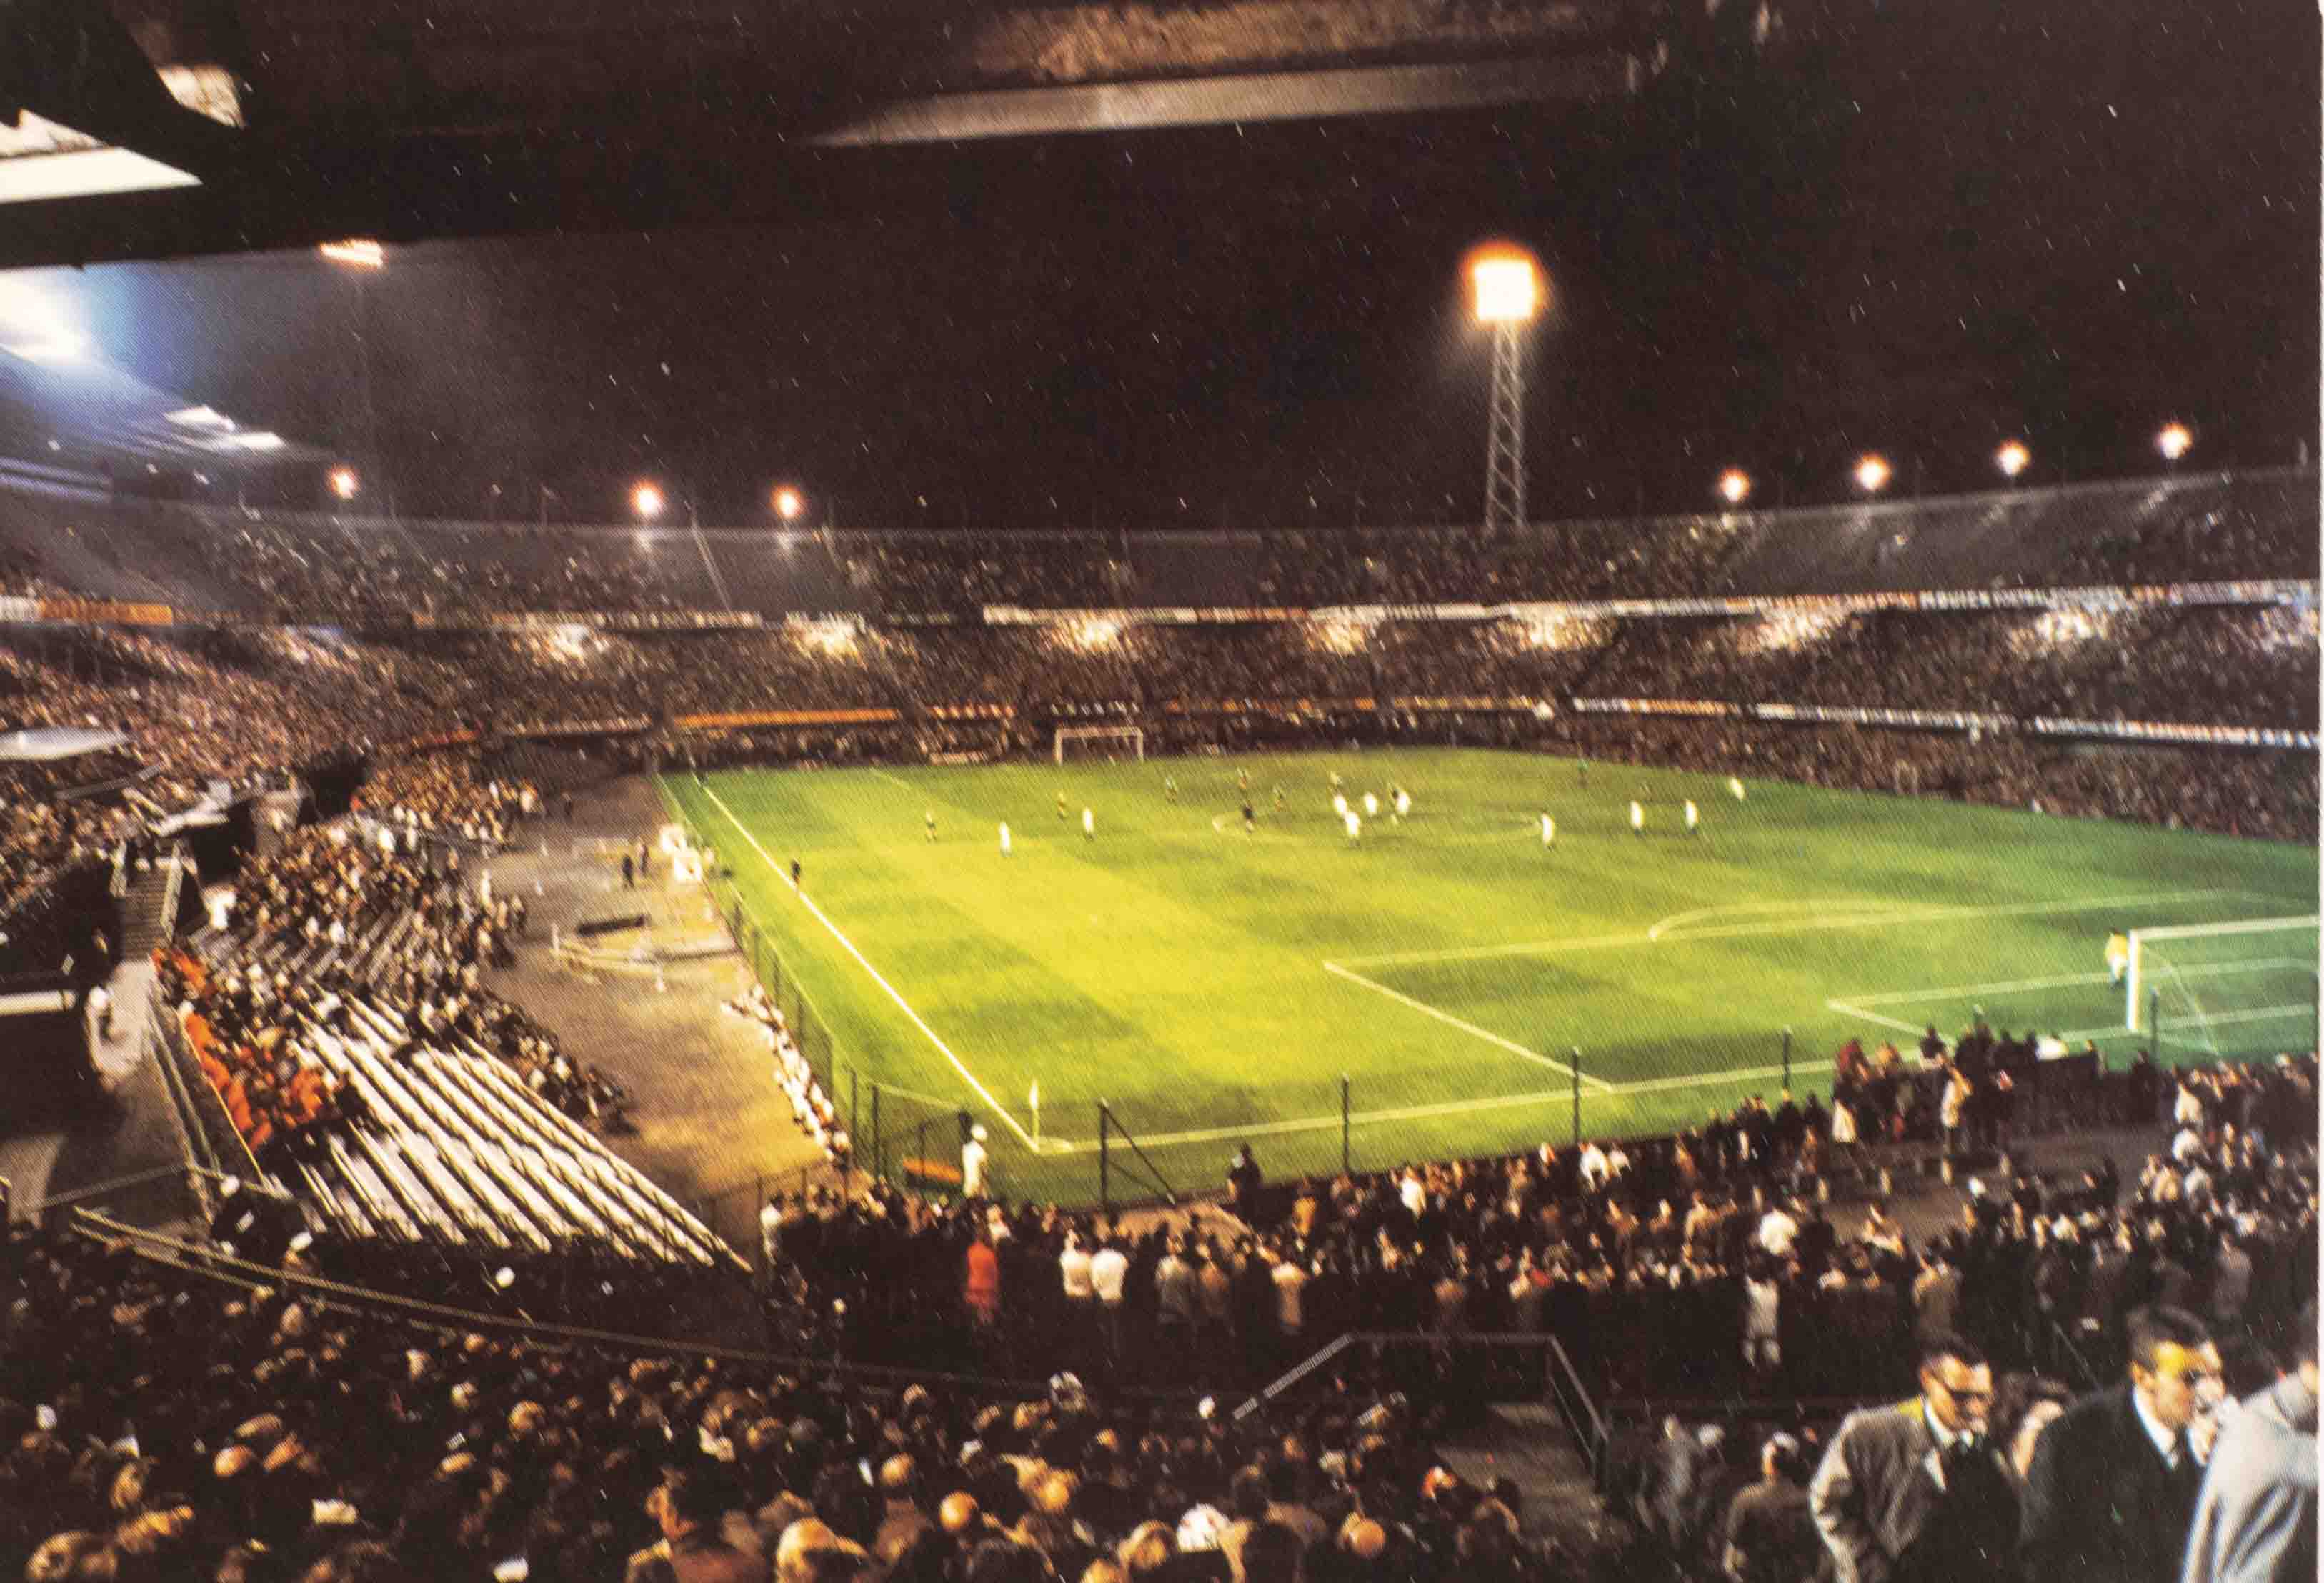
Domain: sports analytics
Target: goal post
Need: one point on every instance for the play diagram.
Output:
(1109, 738)
(2205, 976)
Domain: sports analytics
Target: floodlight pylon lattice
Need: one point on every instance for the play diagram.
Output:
(1505, 483)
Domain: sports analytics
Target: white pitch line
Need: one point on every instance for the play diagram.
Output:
(1845, 1009)
(1933, 915)
(865, 962)
(1483, 953)
(2066, 980)
(890, 779)
(1434, 1110)
(1697, 1080)
(1851, 907)
(1208, 1135)
(2010, 986)
(2258, 1014)
(1487, 1035)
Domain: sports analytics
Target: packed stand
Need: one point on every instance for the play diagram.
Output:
(2222, 528)
(442, 795)
(957, 573)
(1630, 1254)
(2205, 665)
(2030, 1327)
(1502, 659)
(2267, 795)
(206, 706)
(163, 1426)
(42, 833)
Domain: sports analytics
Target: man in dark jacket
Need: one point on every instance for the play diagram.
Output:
(1771, 1535)
(2111, 1494)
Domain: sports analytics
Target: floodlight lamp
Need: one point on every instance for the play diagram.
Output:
(2012, 458)
(1505, 284)
(1872, 474)
(1735, 486)
(56, 347)
(646, 501)
(788, 502)
(2174, 441)
(345, 484)
(360, 252)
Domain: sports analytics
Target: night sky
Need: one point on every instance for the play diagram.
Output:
(1919, 227)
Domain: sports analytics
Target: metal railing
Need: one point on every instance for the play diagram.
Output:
(218, 1145)
(1558, 1384)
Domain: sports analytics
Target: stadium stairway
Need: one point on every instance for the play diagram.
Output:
(142, 925)
(1529, 1444)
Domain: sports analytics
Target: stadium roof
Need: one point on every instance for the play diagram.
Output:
(157, 128)
(78, 411)
(48, 745)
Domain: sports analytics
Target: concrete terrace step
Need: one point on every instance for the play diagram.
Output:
(1528, 1443)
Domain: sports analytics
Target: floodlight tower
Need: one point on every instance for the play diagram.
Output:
(360, 260)
(1505, 288)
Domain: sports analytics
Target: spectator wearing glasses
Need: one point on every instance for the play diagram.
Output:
(1915, 1493)
(2111, 1494)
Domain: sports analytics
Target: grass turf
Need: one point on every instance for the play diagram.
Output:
(1213, 985)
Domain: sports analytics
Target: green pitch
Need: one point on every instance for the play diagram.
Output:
(1213, 985)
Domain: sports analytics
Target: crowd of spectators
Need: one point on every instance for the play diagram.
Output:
(443, 795)
(2212, 665)
(1630, 1254)
(245, 706)
(2054, 1291)
(2270, 794)
(311, 571)
(236, 1025)
(161, 1426)
(383, 907)
(41, 832)
(318, 569)
(2228, 527)
(952, 572)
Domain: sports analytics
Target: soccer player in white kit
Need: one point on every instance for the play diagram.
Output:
(1637, 818)
(1548, 833)
(1403, 802)
(1372, 807)
(1089, 825)
(1355, 825)
(1004, 838)
(1693, 817)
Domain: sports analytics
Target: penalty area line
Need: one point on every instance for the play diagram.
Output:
(864, 962)
(1422, 1006)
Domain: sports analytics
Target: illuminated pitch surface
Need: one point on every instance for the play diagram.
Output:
(1209, 983)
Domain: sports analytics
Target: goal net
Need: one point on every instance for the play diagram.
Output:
(2238, 988)
(1110, 742)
